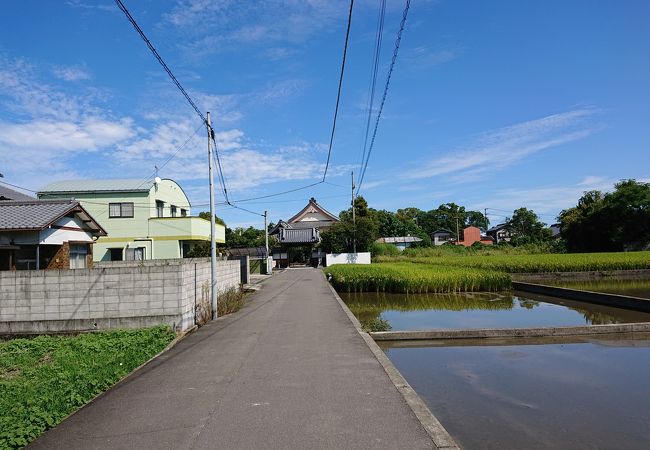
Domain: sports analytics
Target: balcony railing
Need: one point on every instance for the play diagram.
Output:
(184, 228)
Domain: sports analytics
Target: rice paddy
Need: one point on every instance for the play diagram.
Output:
(471, 273)
(550, 262)
(406, 277)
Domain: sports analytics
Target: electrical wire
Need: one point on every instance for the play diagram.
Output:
(160, 60)
(383, 99)
(373, 74)
(278, 193)
(338, 95)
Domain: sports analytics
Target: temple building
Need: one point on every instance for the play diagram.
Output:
(299, 237)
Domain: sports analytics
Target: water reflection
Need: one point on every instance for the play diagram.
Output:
(481, 310)
(567, 395)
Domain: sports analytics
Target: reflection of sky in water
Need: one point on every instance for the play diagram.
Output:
(578, 396)
(545, 314)
(482, 310)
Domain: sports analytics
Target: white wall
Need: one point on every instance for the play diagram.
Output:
(347, 258)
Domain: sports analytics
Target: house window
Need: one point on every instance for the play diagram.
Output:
(183, 212)
(173, 210)
(160, 208)
(135, 254)
(116, 254)
(120, 209)
(78, 254)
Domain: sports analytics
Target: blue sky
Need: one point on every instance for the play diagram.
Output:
(491, 105)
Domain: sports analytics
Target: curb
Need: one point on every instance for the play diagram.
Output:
(438, 434)
(488, 333)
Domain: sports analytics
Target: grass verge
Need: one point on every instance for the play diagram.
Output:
(44, 379)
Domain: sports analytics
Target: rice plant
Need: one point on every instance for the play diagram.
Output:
(415, 278)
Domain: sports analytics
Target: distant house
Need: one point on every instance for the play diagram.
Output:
(442, 236)
(471, 235)
(10, 194)
(499, 233)
(40, 234)
(401, 243)
(556, 231)
(144, 220)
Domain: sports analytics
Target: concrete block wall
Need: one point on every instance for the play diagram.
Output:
(110, 296)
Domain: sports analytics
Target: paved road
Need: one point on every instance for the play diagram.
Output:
(287, 371)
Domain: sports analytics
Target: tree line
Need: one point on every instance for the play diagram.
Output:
(613, 221)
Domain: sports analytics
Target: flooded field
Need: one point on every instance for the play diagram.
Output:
(481, 310)
(574, 395)
(634, 288)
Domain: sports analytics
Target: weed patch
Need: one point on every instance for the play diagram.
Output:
(43, 380)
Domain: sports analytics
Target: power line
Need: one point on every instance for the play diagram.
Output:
(383, 99)
(278, 193)
(373, 74)
(19, 187)
(244, 209)
(181, 147)
(160, 60)
(338, 95)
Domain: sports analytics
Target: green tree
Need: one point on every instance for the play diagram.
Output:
(616, 221)
(206, 215)
(245, 237)
(525, 228)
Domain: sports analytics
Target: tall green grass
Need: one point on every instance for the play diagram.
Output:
(415, 278)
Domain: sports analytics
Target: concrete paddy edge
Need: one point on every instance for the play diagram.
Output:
(601, 298)
(438, 434)
(487, 333)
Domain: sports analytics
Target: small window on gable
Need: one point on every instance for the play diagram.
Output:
(183, 212)
(173, 210)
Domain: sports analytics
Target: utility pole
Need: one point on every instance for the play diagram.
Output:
(457, 230)
(354, 219)
(266, 242)
(213, 226)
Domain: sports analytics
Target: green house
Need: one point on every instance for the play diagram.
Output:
(143, 220)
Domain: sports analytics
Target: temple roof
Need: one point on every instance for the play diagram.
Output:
(311, 211)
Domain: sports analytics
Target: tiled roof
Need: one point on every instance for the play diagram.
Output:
(36, 215)
(10, 194)
(32, 215)
(312, 224)
(313, 204)
(304, 236)
(398, 240)
(108, 185)
(255, 252)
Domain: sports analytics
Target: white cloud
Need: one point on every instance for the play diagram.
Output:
(54, 127)
(73, 73)
(88, 135)
(505, 146)
(549, 200)
(424, 56)
(270, 22)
